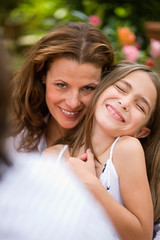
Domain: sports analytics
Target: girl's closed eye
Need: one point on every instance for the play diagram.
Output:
(140, 107)
(118, 87)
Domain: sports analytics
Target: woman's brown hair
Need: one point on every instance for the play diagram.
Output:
(79, 41)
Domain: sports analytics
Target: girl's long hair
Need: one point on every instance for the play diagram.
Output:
(81, 135)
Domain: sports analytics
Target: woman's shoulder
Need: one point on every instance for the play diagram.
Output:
(53, 150)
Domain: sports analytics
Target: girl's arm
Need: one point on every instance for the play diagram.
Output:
(134, 220)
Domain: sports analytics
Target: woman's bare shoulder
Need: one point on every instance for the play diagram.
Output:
(53, 150)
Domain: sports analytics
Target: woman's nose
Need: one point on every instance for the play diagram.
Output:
(73, 100)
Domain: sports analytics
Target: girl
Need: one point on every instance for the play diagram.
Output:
(56, 83)
(125, 108)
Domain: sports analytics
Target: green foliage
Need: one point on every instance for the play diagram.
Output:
(25, 21)
(40, 16)
(36, 16)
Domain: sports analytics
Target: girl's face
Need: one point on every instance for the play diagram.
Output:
(125, 107)
(69, 88)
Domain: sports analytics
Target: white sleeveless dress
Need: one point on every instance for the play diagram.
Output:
(109, 177)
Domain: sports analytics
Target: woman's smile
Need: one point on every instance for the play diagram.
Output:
(70, 114)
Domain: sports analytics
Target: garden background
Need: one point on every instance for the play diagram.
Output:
(133, 27)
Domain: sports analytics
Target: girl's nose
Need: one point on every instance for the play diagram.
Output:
(73, 100)
(124, 102)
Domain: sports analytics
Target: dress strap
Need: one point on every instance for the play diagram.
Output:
(108, 167)
(112, 147)
(61, 153)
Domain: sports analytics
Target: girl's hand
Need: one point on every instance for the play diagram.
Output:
(84, 166)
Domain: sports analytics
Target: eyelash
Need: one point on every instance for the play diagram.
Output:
(86, 88)
(141, 108)
(61, 85)
(89, 88)
(119, 88)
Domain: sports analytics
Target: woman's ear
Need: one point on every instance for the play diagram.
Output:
(144, 132)
(44, 79)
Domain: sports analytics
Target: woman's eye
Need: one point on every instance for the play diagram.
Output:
(89, 88)
(61, 85)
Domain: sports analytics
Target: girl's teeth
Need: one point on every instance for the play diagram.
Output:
(115, 114)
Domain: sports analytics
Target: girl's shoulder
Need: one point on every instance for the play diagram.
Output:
(128, 144)
(128, 153)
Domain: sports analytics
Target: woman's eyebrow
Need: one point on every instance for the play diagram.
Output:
(91, 83)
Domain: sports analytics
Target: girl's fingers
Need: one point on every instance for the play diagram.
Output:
(84, 157)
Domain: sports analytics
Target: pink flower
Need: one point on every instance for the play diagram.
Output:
(95, 20)
(131, 53)
(154, 48)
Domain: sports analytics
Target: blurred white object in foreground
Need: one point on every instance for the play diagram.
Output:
(43, 200)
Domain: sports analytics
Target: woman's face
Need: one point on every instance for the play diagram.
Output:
(69, 88)
(125, 107)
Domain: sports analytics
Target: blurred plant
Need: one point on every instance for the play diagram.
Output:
(126, 44)
(154, 48)
(130, 49)
(95, 20)
(125, 35)
(154, 52)
(131, 53)
(29, 20)
(127, 47)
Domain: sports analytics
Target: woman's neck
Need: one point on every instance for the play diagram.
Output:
(54, 131)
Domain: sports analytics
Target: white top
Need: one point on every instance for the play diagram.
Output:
(45, 200)
(109, 177)
(157, 230)
(12, 143)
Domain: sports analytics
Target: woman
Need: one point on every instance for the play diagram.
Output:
(29, 207)
(56, 83)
